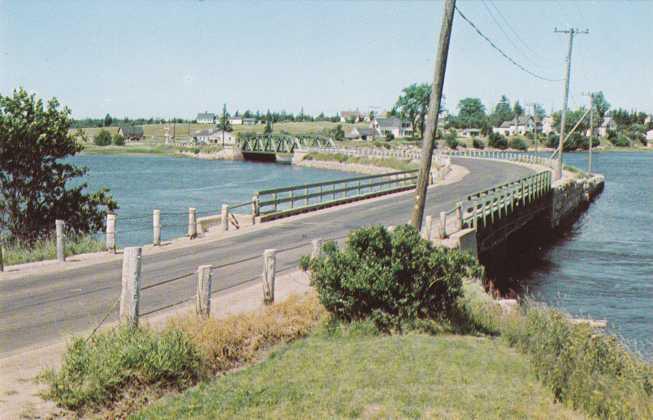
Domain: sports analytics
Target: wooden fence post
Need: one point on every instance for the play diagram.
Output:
(254, 209)
(61, 254)
(317, 248)
(156, 227)
(459, 214)
(2, 263)
(203, 298)
(131, 286)
(428, 224)
(443, 225)
(268, 277)
(224, 217)
(192, 223)
(111, 233)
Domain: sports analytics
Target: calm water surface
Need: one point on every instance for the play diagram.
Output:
(142, 183)
(603, 265)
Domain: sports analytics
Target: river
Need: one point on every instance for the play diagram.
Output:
(141, 184)
(602, 266)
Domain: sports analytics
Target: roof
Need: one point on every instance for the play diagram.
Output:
(131, 131)
(390, 122)
(205, 116)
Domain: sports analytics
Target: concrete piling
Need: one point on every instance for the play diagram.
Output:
(428, 225)
(317, 248)
(111, 233)
(459, 214)
(156, 227)
(131, 285)
(203, 294)
(443, 225)
(61, 255)
(269, 274)
(192, 223)
(224, 217)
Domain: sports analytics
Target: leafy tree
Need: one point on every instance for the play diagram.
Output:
(573, 116)
(471, 113)
(81, 136)
(478, 143)
(497, 141)
(517, 110)
(118, 140)
(452, 139)
(539, 111)
(337, 133)
(268, 123)
(413, 105)
(224, 123)
(502, 111)
(103, 138)
(601, 106)
(34, 141)
(108, 120)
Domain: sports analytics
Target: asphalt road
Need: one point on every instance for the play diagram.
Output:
(41, 309)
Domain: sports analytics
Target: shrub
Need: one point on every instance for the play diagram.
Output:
(103, 138)
(389, 136)
(452, 139)
(620, 141)
(304, 262)
(478, 143)
(497, 141)
(98, 370)
(118, 140)
(518, 143)
(390, 278)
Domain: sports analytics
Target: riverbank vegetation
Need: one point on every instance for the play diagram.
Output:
(397, 328)
(46, 249)
(390, 163)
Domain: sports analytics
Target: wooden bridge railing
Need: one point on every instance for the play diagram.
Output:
(279, 202)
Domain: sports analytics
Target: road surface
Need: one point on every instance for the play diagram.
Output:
(40, 309)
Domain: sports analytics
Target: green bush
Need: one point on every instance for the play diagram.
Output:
(103, 138)
(392, 279)
(304, 262)
(518, 143)
(620, 141)
(99, 370)
(497, 141)
(118, 140)
(478, 143)
(452, 139)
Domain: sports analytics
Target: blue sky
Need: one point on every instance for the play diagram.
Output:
(176, 58)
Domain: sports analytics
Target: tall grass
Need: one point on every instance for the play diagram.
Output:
(585, 369)
(46, 249)
(391, 163)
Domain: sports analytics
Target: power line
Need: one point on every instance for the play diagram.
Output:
(524, 69)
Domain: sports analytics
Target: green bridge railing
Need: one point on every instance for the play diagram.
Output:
(485, 207)
(280, 202)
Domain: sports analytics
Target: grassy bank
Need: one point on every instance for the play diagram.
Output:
(47, 249)
(364, 375)
(390, 163)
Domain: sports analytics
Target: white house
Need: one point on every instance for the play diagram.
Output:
(249, 121)
(357, 133)
(470, 132)
(649, 138)
(607, 125)
(547, 125)
(393, 125)
(519, 125)
(213, 136)
(205, 118)
(236, 120)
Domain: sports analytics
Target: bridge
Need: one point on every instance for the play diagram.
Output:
(267, 146)
(494, 199)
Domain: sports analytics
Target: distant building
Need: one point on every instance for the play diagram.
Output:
(249, 121)
(470, 132)
(393, 125)
(213, 136)
(649, 138)
(355, 116)
(519, 125)
(236, 120)
(547, 125)
(131, 133)
(366, 134)
(205, 118)
(607, 125)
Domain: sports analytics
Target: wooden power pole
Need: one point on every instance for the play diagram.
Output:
(565, 103)
(589, 158)
(434, 111)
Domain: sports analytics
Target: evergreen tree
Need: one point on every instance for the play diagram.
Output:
(268, 123)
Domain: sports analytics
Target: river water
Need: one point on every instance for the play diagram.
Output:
(141, 184)
(602, 266)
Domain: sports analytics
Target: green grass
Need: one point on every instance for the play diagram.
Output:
(148, 149)
(347, 376)
(46, 249)
(391, 163)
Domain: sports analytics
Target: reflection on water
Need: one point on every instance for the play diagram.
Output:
(602, 266)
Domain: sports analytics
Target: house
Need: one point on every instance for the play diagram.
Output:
(213, 136)
(238, 120)
(249, 121)
(607, 125)
(649, 138)
(519, 125)
(470, 132)
(205, 118)
(131, 133)
(348, 116)
(394, 125)
(357, 133)
(547, 125)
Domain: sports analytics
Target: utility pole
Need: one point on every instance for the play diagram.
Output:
(589, 159)
(532, 105)
(571, 32)
(434, 111)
